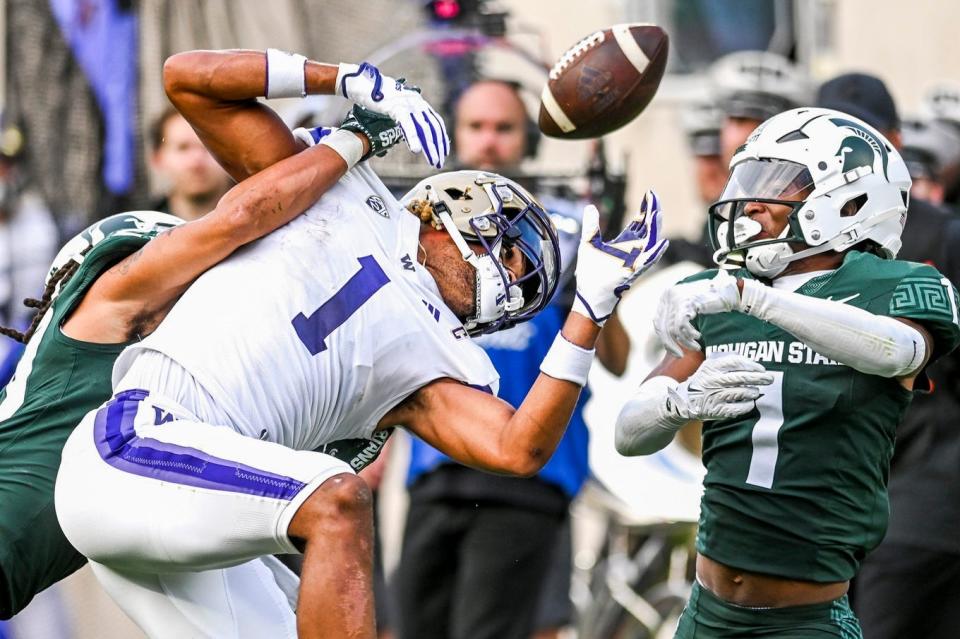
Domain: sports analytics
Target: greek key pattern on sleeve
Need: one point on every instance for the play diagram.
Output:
(924, 295)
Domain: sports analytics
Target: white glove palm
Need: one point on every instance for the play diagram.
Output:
(605, 270)
(423, 128)
(723, 387)
(680, 304)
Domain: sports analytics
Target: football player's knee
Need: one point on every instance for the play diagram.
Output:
(344, 500)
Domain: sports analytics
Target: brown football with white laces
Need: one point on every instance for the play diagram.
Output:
(604, 81)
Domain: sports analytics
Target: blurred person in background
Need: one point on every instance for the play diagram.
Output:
(28, 241)
(752, 86)
(702, 125)
(910, 584)
(942, 104)
(929, 146)
(492, 130)
(191, 179)
(487, 556)
(747, 87)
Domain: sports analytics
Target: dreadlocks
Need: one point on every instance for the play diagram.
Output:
(424, 210)
(59, 277)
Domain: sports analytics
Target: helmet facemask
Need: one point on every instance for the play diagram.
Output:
(732, 229)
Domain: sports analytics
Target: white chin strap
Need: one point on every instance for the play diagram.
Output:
(765, 261)
(492, 304)
(769, 260)
(491, 301)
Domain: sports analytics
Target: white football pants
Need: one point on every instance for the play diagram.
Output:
(146, 491)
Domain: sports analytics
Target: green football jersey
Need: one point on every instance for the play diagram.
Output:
(57, 382)
(797, 487)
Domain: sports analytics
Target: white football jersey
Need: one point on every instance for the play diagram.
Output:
(314, 332)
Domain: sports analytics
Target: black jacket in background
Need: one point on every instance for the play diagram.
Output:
(925, 471)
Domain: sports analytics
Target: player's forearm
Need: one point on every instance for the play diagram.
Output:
(233, 75)
(216, 90)
(276, 195)
(613, 346)
(869, 343)
(645, 423)
(534, 431)
(537, 427)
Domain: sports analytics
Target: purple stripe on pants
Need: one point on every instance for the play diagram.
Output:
(121, 447)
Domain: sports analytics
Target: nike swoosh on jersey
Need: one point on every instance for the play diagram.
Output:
(843, 300)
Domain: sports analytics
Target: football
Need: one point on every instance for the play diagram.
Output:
(604, 81)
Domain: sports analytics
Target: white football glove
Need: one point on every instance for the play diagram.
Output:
(312, 137)
(605, 270)
(422, 127)
(723, 387)
(680, 304)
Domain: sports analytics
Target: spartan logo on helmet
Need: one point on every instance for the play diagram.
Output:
(861, 148)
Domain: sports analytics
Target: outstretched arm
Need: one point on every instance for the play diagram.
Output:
(216, 92)
(485, 432)
(683, 390)
(132, 297)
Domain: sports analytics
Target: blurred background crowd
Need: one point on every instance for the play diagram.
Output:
(595, 545)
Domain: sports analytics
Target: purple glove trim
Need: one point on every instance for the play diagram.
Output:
(628, 258)
(319, 132)
(423, 140)
(433, 132)
(365, 68)
(593, 316)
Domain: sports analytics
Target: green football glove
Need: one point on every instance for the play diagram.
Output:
(381, 130)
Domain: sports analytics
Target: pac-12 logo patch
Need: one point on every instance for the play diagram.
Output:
(375, 202)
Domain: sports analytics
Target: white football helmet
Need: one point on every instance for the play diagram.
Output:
(929, 146)
(493, 211)
(131, 222)
(942, 102)
(757, 84)
(814, 161)
(701, 122)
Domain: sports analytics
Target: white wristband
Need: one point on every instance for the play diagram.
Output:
(346, 144)
(286, 76)
(567, 361)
